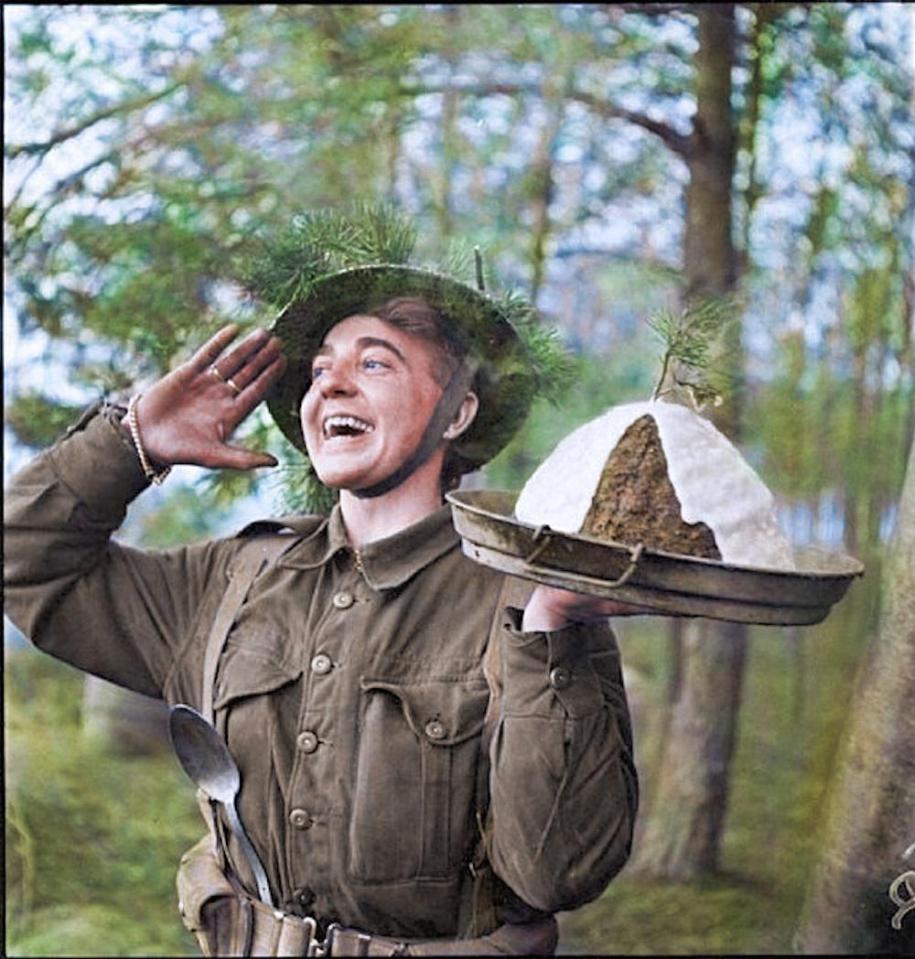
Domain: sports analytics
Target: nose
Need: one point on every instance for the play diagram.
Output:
(336, 380)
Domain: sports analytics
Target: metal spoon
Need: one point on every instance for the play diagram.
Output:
(206, 759)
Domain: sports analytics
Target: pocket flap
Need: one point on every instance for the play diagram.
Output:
(250, 672)
(442, 712)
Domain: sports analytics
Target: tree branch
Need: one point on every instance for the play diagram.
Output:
(67, 133)
(473, 89)
(680, 143)
(652, 9)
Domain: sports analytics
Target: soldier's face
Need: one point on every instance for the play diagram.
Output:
(372, 392)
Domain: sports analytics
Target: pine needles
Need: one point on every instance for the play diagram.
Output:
(693, 341)
(319, 242)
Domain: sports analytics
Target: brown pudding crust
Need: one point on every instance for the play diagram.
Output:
(635, 501)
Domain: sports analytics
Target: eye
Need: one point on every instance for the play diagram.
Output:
(374, 363)
(317, 370)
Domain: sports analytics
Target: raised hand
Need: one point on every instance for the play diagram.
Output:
(191, 413)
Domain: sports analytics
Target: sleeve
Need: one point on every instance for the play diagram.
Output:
(105, 608)
(563, 782)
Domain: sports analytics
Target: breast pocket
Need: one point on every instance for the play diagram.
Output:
(415, 781)
(247, 671)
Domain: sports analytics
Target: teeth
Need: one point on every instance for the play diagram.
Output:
(346, 422)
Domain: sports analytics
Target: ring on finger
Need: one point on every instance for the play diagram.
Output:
(225, 379)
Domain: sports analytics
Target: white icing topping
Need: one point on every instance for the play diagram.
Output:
(714, 483)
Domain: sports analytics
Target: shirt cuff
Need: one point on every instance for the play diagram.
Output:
(96, 461)
(548, 673)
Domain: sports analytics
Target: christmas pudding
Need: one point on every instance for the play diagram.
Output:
(659, 474)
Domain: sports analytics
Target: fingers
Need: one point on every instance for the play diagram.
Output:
(267, 356)
(259, 374)
(230, 380)
(236, 363)
(211, 350)
(254, 391)
(256, 362)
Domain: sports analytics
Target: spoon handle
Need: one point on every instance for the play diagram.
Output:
(260, 876)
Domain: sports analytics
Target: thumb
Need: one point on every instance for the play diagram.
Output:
(236, 457)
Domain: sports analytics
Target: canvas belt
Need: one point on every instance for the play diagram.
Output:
(276, 933)
(226, 920)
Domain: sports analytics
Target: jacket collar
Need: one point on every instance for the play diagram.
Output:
(387, 562)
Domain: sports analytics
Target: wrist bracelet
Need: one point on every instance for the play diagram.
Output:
(154, 475)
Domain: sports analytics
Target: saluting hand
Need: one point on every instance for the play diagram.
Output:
(191, 413)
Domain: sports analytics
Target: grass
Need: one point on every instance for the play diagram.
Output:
(93, 838)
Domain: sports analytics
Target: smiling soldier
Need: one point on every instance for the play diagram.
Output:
(435, 758)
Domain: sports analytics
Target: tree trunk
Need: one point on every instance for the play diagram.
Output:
(449, 126)
(541, 178)
(871, 819)
(682, 836)
(708, 251)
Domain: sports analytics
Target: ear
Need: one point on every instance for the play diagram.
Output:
(464, 417)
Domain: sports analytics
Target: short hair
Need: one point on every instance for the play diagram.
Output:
(412, 314)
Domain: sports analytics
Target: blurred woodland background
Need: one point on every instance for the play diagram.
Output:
(610, 160)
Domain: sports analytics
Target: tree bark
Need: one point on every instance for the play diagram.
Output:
(449, 125)
(871, 818)
(541, 177)
(682, 836)
(708, 249)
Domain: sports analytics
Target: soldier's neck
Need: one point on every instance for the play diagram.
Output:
(374, 518)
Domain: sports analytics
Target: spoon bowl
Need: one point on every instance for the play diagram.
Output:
(206, 759)
(204, 755)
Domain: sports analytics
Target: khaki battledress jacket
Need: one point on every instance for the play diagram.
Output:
(353, 699)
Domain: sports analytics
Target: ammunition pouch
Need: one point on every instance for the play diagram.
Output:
(203, 892)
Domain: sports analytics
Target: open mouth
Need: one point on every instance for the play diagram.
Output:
(345, 426)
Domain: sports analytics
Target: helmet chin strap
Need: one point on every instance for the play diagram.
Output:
(446, 409)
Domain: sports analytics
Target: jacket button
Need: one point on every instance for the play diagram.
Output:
(321, 664)
(343, 599)
(307, 741)
(300, 819)
(560, 677)
(435, 730)
(303, 897)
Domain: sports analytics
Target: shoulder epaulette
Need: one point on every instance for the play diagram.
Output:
(293, 525)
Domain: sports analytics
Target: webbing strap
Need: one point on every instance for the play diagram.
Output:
(251, 559)
(446, 409)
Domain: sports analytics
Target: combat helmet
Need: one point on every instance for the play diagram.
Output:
(328, 265)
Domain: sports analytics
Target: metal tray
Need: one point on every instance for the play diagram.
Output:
(667, 582)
